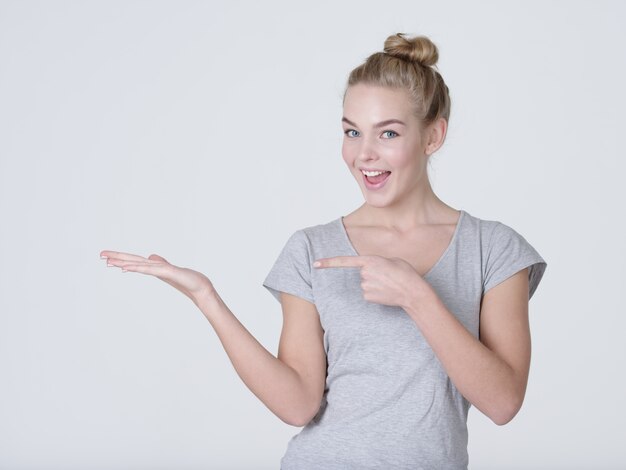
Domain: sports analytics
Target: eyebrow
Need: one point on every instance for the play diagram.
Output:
(380, 124)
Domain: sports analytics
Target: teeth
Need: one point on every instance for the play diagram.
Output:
(373, 173)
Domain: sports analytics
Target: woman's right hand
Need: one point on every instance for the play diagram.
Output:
(193, 284)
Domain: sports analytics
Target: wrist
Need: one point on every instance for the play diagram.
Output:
(208, 300)
(419, 297)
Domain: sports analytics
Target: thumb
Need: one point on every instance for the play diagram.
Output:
(157, 258)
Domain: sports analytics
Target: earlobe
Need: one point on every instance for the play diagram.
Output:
(433, 144)
(437, 135)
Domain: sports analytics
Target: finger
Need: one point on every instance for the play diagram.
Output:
(121, 255)
(341, 262)
(123, 262)
(152, 269)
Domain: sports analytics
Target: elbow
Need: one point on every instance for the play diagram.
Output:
(507, 410)
(503, 418)
(291, 422)
(298, 420)
(305, 407)
(303, 417)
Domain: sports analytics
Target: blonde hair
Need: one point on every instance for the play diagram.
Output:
(408, 63)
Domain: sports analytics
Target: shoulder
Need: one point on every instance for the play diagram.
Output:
(490, 231)
(311, 241)
(320, 235)
(481, 230)
(504, 251)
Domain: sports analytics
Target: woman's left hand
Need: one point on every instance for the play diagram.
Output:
(388, 281)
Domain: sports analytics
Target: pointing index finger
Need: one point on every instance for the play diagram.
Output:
(340, 262)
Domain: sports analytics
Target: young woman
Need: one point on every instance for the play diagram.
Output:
(398, 316)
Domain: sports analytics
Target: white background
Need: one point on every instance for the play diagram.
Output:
(207, 133)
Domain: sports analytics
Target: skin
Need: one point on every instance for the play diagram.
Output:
(407, 199)
(490, 372)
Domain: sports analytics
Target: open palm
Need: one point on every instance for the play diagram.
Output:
(191, 283)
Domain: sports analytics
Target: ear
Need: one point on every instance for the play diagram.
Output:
(435, 135)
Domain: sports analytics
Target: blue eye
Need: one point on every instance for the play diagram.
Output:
(349, 131)
(390, 132)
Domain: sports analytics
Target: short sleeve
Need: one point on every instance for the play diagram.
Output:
(291, 272)
(508, 253)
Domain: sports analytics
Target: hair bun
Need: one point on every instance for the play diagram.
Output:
(417, 49)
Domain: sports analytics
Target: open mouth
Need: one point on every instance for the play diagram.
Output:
(378, 178)
(376, 181)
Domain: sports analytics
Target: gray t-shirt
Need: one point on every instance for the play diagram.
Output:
(388, 402)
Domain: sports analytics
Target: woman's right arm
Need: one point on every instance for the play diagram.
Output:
(290, 385)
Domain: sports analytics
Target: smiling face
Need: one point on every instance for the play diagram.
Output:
(381, 132)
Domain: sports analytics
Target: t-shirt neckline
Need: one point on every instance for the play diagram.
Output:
(448, 249)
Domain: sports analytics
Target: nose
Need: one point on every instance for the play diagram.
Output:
(367, 151)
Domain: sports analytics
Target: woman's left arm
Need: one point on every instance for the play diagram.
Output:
(491, 373)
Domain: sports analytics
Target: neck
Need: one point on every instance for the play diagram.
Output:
(421, 207)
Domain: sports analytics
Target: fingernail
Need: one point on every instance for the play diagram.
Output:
(317, 264)
(103, 257)
(109, 264)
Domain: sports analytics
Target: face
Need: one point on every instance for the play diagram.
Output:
(382, 133)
